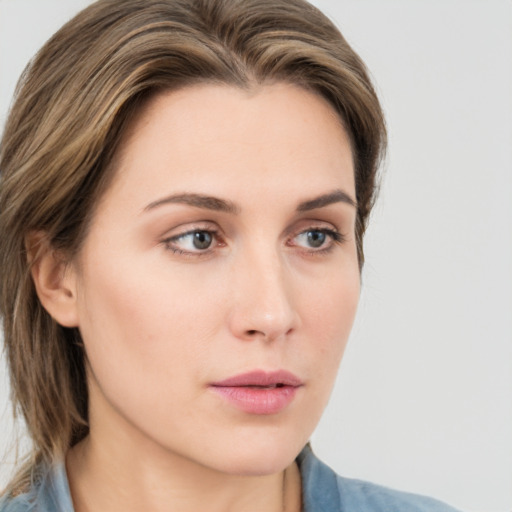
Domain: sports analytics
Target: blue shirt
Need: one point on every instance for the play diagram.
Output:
(322, 491)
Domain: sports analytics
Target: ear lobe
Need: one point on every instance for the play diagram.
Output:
(54, 279)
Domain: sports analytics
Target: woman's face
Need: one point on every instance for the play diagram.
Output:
(218, 283)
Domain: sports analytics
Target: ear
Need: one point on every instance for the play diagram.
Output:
(54, 279)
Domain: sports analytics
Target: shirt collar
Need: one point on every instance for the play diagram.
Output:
(319, 488)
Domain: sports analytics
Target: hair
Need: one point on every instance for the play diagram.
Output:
(72, 106)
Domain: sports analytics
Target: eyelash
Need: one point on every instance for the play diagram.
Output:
(336, 237)
(175, 250)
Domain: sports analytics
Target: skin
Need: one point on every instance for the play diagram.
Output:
(161, 319)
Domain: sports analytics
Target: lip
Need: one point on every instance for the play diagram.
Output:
(259, 392)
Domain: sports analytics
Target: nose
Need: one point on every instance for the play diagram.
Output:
(263, 300)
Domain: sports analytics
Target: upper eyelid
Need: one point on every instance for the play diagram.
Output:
(174, 238)
(310, 222)
(214, 228)
(212, 224)
(191, 232)
(315, 225)
(190, 227)
(169, 241)
(334, 235)
(218, 233)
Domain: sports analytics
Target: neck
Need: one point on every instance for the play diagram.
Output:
(100, 482)
(116, 468)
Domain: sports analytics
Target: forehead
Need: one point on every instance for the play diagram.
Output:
(228, 140)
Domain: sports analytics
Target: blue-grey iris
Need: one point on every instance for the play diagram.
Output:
(316, 238)
(202, 239)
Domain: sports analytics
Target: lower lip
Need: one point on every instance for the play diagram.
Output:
(257, 400)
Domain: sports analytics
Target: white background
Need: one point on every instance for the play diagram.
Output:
(424, 398)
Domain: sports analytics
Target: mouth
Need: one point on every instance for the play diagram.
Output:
(272, 386)
(259, 392)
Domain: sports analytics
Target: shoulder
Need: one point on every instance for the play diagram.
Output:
(324, 490)
(49, 492)
(20, 503)
(373, 497)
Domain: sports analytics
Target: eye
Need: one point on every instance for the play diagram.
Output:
(201, 239)
(196, 241)
(317, 239)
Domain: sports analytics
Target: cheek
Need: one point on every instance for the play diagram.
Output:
(330, 316)
(331, 301)
(144, 298)
(146, 320)
(141, 328)
(327, 318)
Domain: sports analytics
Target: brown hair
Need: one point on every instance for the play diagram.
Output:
(72, 105)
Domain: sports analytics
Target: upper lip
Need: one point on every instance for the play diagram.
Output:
(261, 378)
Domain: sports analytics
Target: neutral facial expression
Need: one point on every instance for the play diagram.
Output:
(219, 280)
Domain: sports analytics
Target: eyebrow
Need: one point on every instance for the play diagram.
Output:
(336, 196)
(226, 206)
(199, 201)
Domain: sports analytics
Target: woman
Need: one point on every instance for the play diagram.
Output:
(185, 190)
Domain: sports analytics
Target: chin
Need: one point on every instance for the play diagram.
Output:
(259, 457)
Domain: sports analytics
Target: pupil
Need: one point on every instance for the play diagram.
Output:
(202, 240)
(316, 238)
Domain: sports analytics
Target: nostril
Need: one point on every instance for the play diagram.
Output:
(252, 332)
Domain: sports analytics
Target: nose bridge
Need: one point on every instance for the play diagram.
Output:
(264, 300)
